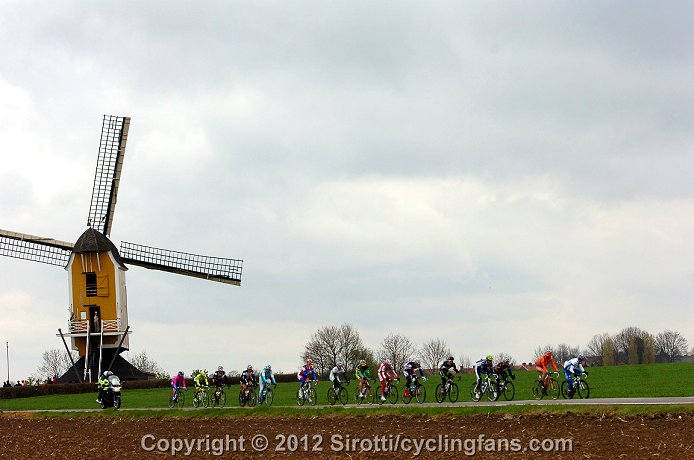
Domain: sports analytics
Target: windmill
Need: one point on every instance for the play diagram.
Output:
(98, 325)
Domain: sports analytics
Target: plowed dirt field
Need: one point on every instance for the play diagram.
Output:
(566, 436)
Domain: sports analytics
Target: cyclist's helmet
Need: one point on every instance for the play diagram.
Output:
(490, 357)
(268, 367)
(450, 358)
(181, 373)
(220, 369)
(581, 357)
(548, 352)
(362, 363)
(309, 361)
(249, 367)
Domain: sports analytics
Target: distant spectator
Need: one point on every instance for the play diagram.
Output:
(6, 384)
(55, 379)
(19, 384)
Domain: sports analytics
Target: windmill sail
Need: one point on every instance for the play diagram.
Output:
(114, 137)
(35, 248)
(198, 266)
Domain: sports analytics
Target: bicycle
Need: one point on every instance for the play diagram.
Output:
(450, 390)
(307, 393)
(266, 395)
(201, 398)
(337, 394)
(486, 387)
(218, 397)
(391, 393)
(580, 387)
(177, 399)
(364, 396)
(415, 390)
(505, 387)
(248, 397)
(551, 388)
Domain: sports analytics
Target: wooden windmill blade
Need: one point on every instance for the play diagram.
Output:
(35, 248)
(210, 268)
(109, 163)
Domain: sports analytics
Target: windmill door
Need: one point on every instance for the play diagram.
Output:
(95, 319)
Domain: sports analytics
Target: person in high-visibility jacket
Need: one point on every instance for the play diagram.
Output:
(102, 384)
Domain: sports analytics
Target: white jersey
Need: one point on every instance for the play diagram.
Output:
(335, 373)
(573, 364)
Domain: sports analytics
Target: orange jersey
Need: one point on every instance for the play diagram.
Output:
(545, 361)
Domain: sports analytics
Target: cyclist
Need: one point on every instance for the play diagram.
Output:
(219, 377)
(409, 370)
(335, 377)
(200, 380)
(503, 368)
(247, 379)
(542, 364)
(386, 374)
(574, 367)
(447, 369)
(265, 377)
(362, 373)
(103, 384)
(483, 366)
(307, 373)
(178, 381)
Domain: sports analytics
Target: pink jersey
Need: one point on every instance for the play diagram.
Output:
(178, 381)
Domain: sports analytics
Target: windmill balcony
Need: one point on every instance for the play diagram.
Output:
(79, 328)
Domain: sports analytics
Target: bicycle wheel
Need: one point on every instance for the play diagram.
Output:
(332, 397)
(553, 389)
(252, 397)
(379, 393)
(421, 393)
(538, 390)
(242, 399)
(196, 399)
(269, 398)
(300, 400)
(509, 391)
(583, 389)
(475, 392)
(393, 394)
(565, 390)
(492, 392)
(222, 398)
(312, 397)
(204, 398)
(342, 395)
(407, 395)
(453, 393)
(178, 402)
(440, 393)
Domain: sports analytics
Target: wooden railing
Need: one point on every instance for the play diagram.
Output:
(80, 327)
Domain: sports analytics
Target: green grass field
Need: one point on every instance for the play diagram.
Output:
(653, 380)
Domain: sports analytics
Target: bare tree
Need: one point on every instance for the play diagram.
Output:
(143, 362)
(671, 345)
(54, 362)
(464, 362)
(398, 348)
(628, 344)
(595, 348)
(505, 357)
(330, 345)
(433, 352)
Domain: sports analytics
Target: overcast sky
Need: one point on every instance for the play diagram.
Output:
(501, 175)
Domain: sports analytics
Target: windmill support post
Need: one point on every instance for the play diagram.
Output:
(69, 355)
(101, 344)
(125, 334)
(86, 357)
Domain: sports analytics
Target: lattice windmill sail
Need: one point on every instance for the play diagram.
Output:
(96, 269)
